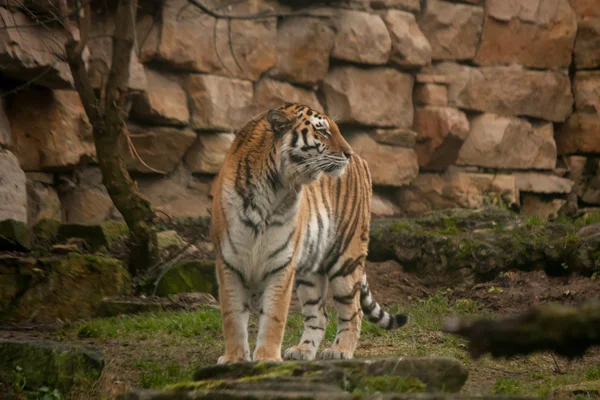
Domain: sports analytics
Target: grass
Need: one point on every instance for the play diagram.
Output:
(154, 350)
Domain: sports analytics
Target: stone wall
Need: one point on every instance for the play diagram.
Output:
(452, 103)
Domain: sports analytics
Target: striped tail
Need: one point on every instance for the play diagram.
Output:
(374, 312)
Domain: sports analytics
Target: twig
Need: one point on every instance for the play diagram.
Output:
(135, 154)
(29, 82)
(259, 15)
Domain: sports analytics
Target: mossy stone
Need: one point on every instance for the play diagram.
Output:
(54, 365)
(114, 230)
(189, 276)
(46, 229)
(14, 236)
(93, 234)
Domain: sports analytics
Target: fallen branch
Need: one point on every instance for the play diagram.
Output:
(567, 331)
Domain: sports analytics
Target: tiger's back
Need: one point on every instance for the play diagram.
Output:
(293, 201)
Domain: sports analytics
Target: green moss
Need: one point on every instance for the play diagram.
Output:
(389, 384)
(506, 386)
(46, 230)
(401, 226)
(93, 234)
(14, 235)
(189, 276)
(114, 230)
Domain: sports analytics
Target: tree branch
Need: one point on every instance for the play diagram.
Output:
(259, 15)
(568, 331)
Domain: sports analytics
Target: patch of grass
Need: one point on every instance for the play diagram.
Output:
(187, 324)
(507, 386)
(154, 375)
(387, 384)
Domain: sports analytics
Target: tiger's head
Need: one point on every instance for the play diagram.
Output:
(310, 143)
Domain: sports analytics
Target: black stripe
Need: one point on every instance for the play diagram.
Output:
(350, 319)
(347, 268)
(316, 328)
(283, 246)
(234, 270)
(302, 282)
(278, 269)
(311, 302)
(390, 324)
(310, 317)
(295, 139)
(347, 299)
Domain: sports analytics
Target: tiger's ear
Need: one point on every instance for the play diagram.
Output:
(279, 121)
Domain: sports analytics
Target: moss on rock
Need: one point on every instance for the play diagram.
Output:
(46, 230)
(54, 365)
(51, 288)
(14, 236)
(189, 276)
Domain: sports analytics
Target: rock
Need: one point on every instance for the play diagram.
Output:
(13, 192)
(189, 276)
(114, 306)
(431, 94)
(508, 142)
(303, 49)
(587, 43)
(187, 42)
(580, 134)
(587, 91)
(542, 183)
(42, 202)
(56, 365)
(87, 206)
(28, 52)
(101, 57)
(441, 132)
(536, 206)
(168, 240)
(410, 48)
(453, 30)
(585, 8)
(439, 79)
(5, 134)
(379, 97)
(361, 37)
(160, 149)
(395, 137)
(178, 195)
(509, 90)
(208, 152)
(51, 289)
(163, 103)
(269, 93)
(218, 103)
(389, 165)
(456, 188)
(585, 172)
(407, 5)
(14, 236)
(46, 230)
(93, 234)
(50, 129)
(539, 35)
(381, 206)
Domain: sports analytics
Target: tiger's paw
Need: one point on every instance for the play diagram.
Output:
(335, 354)
(231, 360)
(299, 353)
(261, 354)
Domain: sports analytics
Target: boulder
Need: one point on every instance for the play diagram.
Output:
(29, 52)
(580, 134)
(441, 132)
(13, 192)
(389, 165)
(508, 142)
(542, 183)
(537, 34)
(457, 189)
(51, 289)
(163, 103)
(269, 93)
(157, 149)
(46, 230)
(361, 37)
(395, 137)
(5, 134)
(508, 90)
(208, 152)
(382, 206)
(189, 276)
(303, 49)
(219, 103)
(536, 206)
(50, 129)
(380, 97)
(585, 8)
(431, 94)
(587, 44)
(42, 202)
(406, 5)
(585, 172)
(587, 91)
(101, 57)
(93, 234)
(453, 30)
(410, 48)
(14, 236)
(86, 205)
(189, 41)
(42, 363)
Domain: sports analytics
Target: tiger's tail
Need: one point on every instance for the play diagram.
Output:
(375, 313)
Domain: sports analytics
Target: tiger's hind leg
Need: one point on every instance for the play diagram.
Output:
(312, 289)
(345, 281)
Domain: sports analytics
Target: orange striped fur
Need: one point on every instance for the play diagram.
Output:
(292, 205)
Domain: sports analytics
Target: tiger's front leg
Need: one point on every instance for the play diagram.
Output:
(235, 310)
(273, 314)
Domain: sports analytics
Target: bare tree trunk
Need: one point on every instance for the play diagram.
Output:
(108, 121)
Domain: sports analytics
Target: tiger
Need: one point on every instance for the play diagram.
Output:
(291, 208)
